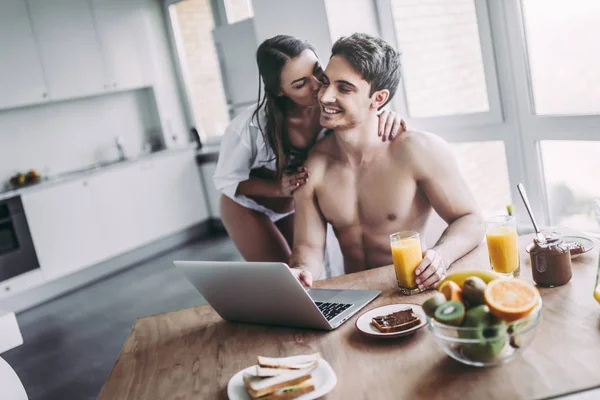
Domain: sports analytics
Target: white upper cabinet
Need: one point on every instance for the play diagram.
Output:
(21, 75)
(69, 47)
(123, 33)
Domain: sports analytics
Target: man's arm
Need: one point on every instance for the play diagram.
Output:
(310, 229)
(439, 177)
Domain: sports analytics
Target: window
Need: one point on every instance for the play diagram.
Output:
(238, 10)
(572, 173)
(193, 22)
(484, 167)
(564, 57)
(442, 64)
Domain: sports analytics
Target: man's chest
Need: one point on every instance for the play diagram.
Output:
(375, 197)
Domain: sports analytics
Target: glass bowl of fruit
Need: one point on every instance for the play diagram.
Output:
(482, 322)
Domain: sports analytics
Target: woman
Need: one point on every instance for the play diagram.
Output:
(263, 149)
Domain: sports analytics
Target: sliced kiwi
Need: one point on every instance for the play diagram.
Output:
(450, 313)
(473, 291)
(433, 303)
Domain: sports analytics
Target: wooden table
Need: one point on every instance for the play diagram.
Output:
(192, 353)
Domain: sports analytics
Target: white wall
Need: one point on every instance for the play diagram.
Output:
(68, 135)
(305, 19)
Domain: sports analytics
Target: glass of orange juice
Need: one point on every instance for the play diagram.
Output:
(407, 255)
(501, 237)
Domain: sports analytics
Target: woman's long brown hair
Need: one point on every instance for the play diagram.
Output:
(271, 57)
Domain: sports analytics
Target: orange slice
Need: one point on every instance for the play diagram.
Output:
(451, 290)
(511, 299)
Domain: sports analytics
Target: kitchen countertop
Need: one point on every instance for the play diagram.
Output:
(101, 167)
(207, 154)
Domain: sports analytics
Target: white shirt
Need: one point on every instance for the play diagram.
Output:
(243, 149)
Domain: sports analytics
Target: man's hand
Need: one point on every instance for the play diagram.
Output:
(391, 125)
(305, 277)
(431, 270)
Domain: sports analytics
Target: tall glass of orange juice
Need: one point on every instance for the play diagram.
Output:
(407, 255)
(501, 237)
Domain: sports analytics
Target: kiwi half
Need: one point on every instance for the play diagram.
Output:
(473, 291)
(433, 303)
(450, 313)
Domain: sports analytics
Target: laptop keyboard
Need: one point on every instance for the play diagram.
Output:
(332, 310)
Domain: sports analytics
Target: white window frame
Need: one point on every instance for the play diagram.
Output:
(494, 115)
(535, 128)
(512, 117)
(501, 122)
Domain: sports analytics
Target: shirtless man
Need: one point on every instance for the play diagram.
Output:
(368, 189)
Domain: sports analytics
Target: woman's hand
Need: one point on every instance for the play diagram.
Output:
(293, 180)
(391, 125)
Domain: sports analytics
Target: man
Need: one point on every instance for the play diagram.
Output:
(368, 189)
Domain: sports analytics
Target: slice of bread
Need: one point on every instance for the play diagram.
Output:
(267, 372)
(294, 362)
(396, 322)
(290, 392)
(258, 386)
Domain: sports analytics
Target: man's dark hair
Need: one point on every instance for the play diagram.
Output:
(373, 58)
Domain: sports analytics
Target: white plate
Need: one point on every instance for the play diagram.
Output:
(363, 323)
(587, 244)
(323, 378)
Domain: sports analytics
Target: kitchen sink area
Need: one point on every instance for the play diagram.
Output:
(44, 181)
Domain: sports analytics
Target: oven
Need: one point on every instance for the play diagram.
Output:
(17, 253)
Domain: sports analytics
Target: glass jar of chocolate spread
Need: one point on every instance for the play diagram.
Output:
(550, 260)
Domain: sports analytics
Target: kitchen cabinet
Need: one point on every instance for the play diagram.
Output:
(21, 75)
(213, 195)
(80, 223)
(64, 227)
(123, 32)
(176, 198)
(114, 198)
(148, 200)
(69, 47)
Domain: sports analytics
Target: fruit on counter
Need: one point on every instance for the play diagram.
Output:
(450, 313)
(451, 290)
(511, 299)
(32, 176)
(432, 303)
(473, 291)
(485, 327)
(18, 179)
(459, 277)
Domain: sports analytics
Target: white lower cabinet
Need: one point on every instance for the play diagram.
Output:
(64, 227)
(80, 223)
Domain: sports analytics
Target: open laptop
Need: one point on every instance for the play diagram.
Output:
(268, 293)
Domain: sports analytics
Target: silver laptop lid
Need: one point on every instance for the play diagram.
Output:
(255, 292)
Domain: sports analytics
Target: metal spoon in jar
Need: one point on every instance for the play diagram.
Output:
(523, 194)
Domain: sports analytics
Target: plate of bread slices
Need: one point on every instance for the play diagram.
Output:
(300, 377)
(391, 321)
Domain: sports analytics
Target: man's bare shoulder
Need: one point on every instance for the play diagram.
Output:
(424, 152)
(414, 141)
